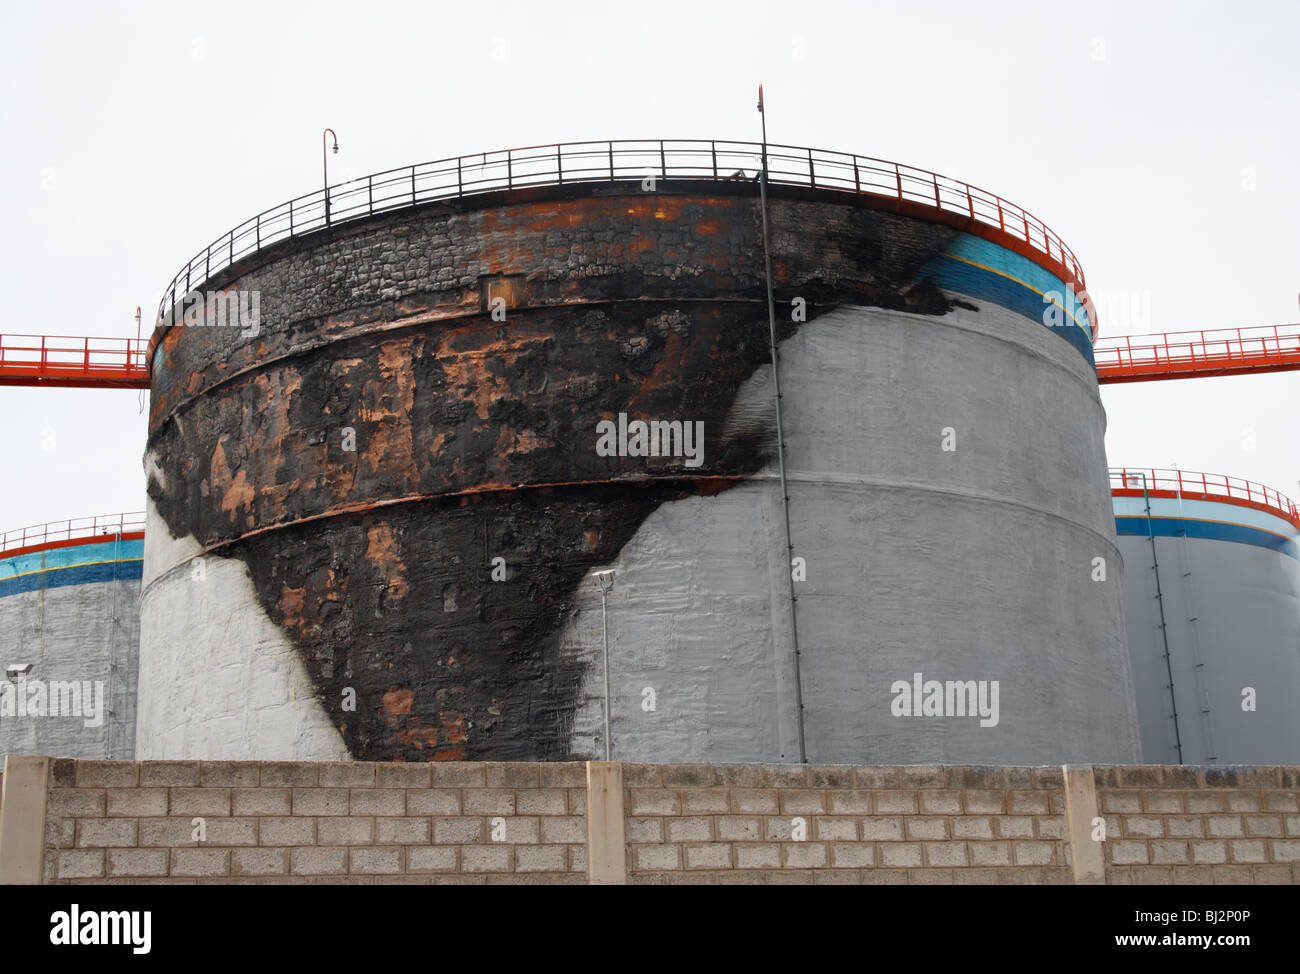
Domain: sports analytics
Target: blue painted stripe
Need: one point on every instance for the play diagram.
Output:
(984, 270)
(1198, 510)
(1173, 527)
(107, 571)
(80, 554)
(978, 250)
(80, 564)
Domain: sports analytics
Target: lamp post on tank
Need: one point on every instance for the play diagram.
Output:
(325, 167)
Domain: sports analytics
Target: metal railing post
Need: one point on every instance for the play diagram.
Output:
(663, 162)
(510, 169)
(611, 161)
(559, 165)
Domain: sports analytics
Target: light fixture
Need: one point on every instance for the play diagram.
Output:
(325, 168)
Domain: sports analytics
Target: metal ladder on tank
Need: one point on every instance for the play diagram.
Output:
(1164, 627)
(114, 726)
(1198, 663)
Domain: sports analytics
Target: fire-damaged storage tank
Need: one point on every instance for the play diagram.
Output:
(393, 441)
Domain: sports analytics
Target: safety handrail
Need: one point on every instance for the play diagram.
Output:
(1196, 484)
(1221, 345)
(59, 356)
(611, 161)
(71, 529)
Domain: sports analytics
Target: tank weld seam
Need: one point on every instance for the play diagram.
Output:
(643, 480)
(838, 479)
(424, 318)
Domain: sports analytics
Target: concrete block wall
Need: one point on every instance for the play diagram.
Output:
(1221, 825)
(921, 824)
(120, 821)
(89, 821)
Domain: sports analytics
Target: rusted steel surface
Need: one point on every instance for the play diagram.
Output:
(475, 438)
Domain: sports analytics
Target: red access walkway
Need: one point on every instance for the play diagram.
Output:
(84, 363)
(1189, 354)
(96, 363)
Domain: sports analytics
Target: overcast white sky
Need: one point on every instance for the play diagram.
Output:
(1160, 140)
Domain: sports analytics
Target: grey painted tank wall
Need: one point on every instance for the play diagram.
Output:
(975, 564)
(88, 633)
(230, 685)
(1246, 604)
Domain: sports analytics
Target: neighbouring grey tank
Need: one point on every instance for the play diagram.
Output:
(70, 636)
(1212, 602)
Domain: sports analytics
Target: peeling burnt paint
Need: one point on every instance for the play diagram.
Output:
(460, 667)
(475, 438)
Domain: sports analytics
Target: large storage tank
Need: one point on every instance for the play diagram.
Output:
(1212, 601)
(69, 637)
(376, 510)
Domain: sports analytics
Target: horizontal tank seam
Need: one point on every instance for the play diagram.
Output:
(415, 321)
(800, 476)
(364, 506)
(930, 488)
